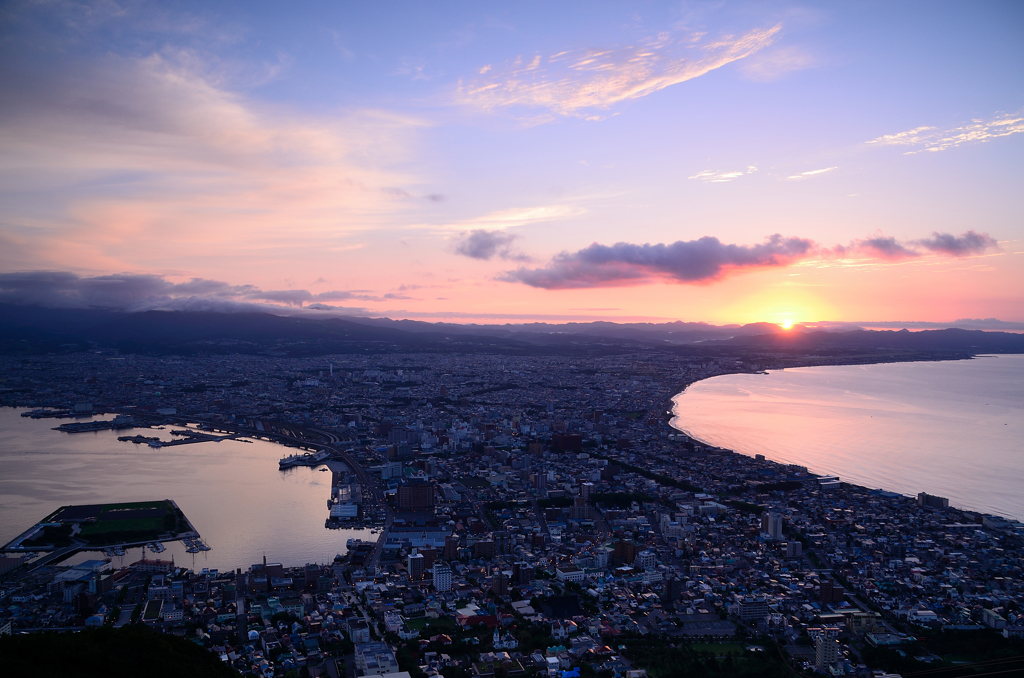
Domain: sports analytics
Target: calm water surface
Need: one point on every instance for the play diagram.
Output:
(232, 491)
(955, 428)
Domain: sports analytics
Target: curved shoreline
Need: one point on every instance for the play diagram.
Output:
(673, 422)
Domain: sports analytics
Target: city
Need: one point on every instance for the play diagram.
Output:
(536, 515)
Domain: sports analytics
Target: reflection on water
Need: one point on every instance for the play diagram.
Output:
(948, 428)
(231, 491)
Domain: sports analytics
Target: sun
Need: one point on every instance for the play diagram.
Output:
(787, 324)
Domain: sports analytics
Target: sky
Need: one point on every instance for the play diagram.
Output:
(727, 162)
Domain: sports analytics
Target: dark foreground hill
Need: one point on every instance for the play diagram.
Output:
(127, 652)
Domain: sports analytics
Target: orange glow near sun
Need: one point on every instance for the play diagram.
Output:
(787, 324)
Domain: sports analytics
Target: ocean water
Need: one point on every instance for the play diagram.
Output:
(232, 491)
(951, 428)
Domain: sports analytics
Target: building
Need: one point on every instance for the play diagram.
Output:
(771, 524)
(646, 560)
(483, 549)
(442, 576)
(625, 552)
(925, 500)
(499, 585)
(414, 565)
(993, 619)
(415, 495)
(375, 659)
(451, 548)
(673, 591)
(751, 607)
(826, 646)
(586, 490)
(830, 592)
(569, 573)
(794, 549)
(522, 573)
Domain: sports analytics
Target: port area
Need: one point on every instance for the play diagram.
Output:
(186, 437)
(121, 421)
(107, 527)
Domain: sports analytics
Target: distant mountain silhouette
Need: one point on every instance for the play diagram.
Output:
(33, 330)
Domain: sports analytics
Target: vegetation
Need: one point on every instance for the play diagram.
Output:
(982, 652)
(662, 659)
(106, 652)
(621, 500)
(555, 502)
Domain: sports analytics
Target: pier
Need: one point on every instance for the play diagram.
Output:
(188, 437)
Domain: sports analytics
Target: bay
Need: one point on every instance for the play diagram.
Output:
(232, 491)
(950, 428)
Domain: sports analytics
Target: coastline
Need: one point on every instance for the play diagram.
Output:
(670, 416)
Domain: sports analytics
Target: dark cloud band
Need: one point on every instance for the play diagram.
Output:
(691, 261)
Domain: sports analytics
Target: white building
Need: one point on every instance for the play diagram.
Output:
(375, 659)
(645, 560)
(826, 646)
(569, 573)
(442, 576)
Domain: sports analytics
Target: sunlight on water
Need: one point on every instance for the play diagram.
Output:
(232, 491)
(948, 428)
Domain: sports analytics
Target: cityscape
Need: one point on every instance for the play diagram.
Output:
(520, 515)
(643, 339)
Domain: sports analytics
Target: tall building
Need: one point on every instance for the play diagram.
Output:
(451, 548)
(829, 592)
(414, 566)
(499, 585)
(625, 552)
(586, 489)
(673, 591)
(415, 496)
(794, 549)
(771, 523)
(522, 572)
(442, 576)
(429, 554)
(826, 646)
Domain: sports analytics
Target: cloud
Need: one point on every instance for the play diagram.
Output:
(150, 159)
(714, 177)
(884, 248)
(964, 245)
(812, 173)
(481, 244)
(576, 82)
(707, 259)
(933, 139)
(695, 261)
(144, 292)
(945, 244)
(772, 64)
(510, 218)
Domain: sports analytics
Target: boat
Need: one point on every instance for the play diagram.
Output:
(156, 547)
(200, 544)
(118, 550)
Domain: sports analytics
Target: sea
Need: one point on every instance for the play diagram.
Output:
(232, 491)
(949, 428)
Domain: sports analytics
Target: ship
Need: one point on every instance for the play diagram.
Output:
(305, 459)
(156, 547)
